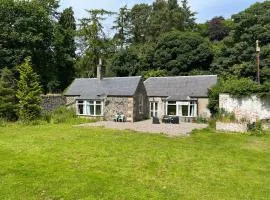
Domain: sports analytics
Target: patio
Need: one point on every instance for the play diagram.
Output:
(181, 129)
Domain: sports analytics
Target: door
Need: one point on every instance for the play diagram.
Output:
(153, 109)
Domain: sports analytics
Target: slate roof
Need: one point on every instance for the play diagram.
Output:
(180, 87)
(93, 88)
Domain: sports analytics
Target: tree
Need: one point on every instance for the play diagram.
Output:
(125, 63)
(94, 42)
(7, 95)
(217, 29)
(27, 30)
(123, 27)
(65, 48)
(135, 60)
(140, 14)
(28, 92)
(189, 16)
(180, 53)
(237, 52)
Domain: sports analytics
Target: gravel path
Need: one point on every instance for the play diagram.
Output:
(147, 127)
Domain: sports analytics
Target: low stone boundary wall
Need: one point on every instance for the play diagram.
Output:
(232, 127)
(52, 102)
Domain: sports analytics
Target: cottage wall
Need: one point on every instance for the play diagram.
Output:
(161, 106)
(249, 108)
(115, 105)
(203, 111)
(141, 91)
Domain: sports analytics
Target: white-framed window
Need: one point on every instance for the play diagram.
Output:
(153, 109)
(171, 108)
(89, 108)
(182, 108)
(141, 104)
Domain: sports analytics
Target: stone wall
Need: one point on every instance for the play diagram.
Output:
(70, 101)
(232, 127)
(248, 108)
(114, 105)
(141, 91)
(52, 102)
(203, 111)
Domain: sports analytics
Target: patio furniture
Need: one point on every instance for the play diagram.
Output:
(155, 120)
(170, 119)
(119, 118)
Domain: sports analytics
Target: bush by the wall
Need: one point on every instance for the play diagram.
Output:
(237, 87)
(64, 115)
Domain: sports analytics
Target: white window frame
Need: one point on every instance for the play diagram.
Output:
(184, 103)
(155, 109)
(87, 103)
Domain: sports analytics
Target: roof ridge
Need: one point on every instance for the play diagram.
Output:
(109, 78)
(169, 77)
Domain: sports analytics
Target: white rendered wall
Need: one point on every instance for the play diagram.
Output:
(250, 108)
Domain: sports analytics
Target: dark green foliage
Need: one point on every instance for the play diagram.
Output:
(65, 48)
(27, 30)
(94, 43)
(28, 93)
(7, 95)
(179, 53)
(140, 14)
(122, 25)
(125, 63)
(237, 54)
(242, 87)
(154, 73)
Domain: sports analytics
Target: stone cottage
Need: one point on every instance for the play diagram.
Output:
(183, 96)
(106, 97)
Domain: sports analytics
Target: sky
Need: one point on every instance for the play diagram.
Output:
(206, 9)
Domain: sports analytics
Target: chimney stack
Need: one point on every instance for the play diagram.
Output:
(99, 70)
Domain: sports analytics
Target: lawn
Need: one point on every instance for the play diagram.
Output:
(64, 162)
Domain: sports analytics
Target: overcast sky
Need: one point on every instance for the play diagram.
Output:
(206, 9)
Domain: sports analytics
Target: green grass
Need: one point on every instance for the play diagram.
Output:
(64, 162)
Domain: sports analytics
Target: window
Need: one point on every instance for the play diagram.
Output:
(90, 108)
(171, 108)
(80, 107)
(153, 109)
(182, 108)
(141, 104)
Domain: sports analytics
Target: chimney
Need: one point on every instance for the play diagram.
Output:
(99, 70)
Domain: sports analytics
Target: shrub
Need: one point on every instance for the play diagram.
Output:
(201, 120)
(64, 115)
(234, 86)
(28, 93)
(224, 116)
(3, 122)
(256, 128)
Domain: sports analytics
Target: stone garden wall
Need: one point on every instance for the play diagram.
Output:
(232, 127)
(248, 108)
(52, 102)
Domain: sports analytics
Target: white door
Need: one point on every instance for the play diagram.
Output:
(153, 109)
